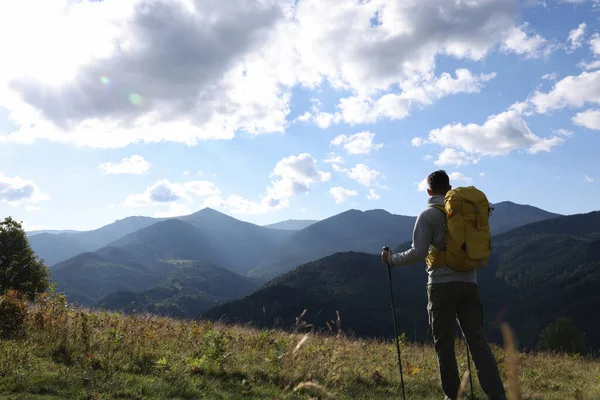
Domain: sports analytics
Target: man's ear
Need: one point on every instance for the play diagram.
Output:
(429, 192)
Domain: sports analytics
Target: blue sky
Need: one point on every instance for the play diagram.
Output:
(275, 110)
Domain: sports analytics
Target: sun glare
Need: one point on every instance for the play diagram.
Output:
(51, 49)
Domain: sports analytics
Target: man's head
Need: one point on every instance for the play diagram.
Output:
(438, 183)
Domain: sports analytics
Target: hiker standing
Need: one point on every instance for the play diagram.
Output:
(453, 292)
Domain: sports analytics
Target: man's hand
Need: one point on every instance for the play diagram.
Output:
(385, 256)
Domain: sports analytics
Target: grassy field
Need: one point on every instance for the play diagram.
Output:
(66, 353)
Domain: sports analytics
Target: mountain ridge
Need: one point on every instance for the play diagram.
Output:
(535, 275)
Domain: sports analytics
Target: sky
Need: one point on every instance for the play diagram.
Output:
(269, 110)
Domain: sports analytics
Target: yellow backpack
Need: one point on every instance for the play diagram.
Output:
(468, 237)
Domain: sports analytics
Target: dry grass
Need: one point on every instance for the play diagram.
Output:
(77, 354)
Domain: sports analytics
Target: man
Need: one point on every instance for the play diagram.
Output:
(451, 294)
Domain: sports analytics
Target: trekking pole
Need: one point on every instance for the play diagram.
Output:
(395, 326)
(469, 366)
(468, 350)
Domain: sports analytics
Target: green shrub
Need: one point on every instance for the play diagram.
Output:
(563, 336)
(13, 312)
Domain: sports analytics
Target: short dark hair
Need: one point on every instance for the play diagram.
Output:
(438, 182)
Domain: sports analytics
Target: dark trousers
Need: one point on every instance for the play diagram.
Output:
(447, 301)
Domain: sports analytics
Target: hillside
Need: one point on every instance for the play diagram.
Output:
(188, 289)
(51, 231)
(356, 286)
(57, 247)
(221, 230)
(365, 231)
(508, 215)
(130, 262)
(292, 224)
(168, 240)
(89, 276)
(229, 236)
(83, 355)
(535, 276)
(555, 265)
(353, 230)
(145, 259)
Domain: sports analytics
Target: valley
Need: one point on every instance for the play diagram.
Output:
(210, 265)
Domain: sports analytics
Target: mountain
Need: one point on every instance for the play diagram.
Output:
(89, 276)
(242, 244)
(353, 230)
(189, 289)
(51, 231)
(224, 233)
(292, 224)
(555, 265)
(172, 239)
(508, 215)
(355, 285)
(56, 247)
(136, 262)
(536, 274)
(368, 231)
(140, 260)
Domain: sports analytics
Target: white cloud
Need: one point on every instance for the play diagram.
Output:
(186, 173)
(324, 120)
(519, 41)
(563, 132)
(454, 157)
(135, 165)
(112, 73)
(521, 107)
(571, 91)
(359, 143)
(364, 175)
(33, 208)
(482, 174)
(589, 119)
(293, 175)
(589, 66)
(373, 195)
(594, 43)
(152, 81)
(165, 191)
(14, 191)
(575, 39)
(428, 157)
(341, 194)
(589, 179)
(417, 142)
(550, 76)
(457, 176)
(417, 91)
(111, 206)
(333, 159)
(499, 135)
(136, 71)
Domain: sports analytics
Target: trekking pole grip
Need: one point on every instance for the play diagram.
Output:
(386, 248)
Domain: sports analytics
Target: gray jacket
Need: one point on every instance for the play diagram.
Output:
(430, 229)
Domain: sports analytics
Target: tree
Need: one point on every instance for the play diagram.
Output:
(20, 268)
(563, 336)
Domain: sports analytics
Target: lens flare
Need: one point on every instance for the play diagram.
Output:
(135, 99)
(105, 80)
